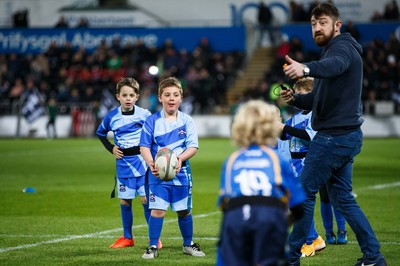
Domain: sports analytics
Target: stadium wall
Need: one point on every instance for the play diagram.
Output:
(207, 126)
(45, 13)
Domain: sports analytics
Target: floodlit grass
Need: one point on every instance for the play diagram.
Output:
(71, 220)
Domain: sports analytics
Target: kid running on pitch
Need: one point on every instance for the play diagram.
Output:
(126, 122)
(175, 130)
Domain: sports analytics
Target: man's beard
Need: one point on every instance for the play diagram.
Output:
(322, 40)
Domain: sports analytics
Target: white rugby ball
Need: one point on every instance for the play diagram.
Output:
(167, 162)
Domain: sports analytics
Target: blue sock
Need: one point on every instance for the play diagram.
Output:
(146, 212)
(340, 220)
(186, 227)
(155, 227)
(127, 220)
(327, 217)
(313, 234)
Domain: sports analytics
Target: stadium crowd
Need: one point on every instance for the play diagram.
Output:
(75, 76)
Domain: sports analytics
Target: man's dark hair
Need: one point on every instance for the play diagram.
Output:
(325, 9)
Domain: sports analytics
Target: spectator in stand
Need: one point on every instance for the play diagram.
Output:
(114, 61)
(376, 16)
(205, 46)
(90, 95)
(218, 74)
(298, 14)
(296, 45)
(264, 19)
(350, 28)
(16, 91)
(14, 65)
(83, 23)
(140, 52)
(21, 19)
(391, 11)
(170, 59)
(393, 45)
(62, 22)
(74, 96)
(167, 44)
(45, 91)
(116, 45)
(183, 62)
(39, 67)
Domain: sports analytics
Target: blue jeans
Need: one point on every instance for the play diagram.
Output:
(330, 161)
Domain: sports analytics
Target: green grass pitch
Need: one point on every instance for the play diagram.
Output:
(71, 220)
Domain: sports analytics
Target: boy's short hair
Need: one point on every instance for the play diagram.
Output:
(130, 82)
(306, 84)
(169, 82)
(256, 122)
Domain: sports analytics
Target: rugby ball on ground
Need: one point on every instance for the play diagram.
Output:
(167, 162)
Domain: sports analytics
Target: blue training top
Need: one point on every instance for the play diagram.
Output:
(302, 121)
(176, 135)
(260, 171)
(126, 129)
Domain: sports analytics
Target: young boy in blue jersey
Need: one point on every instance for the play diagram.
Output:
(126, 122)
(175, 130)
(298, 131)
(257, 187)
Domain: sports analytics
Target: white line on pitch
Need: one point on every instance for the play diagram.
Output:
(2, 250)
(377, 187)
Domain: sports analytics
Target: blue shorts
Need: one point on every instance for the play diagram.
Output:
(128, 188)
(253, 235)
(162, 196)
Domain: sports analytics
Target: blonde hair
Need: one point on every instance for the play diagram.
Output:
(170, 82)
(305, 84)
(256, 122)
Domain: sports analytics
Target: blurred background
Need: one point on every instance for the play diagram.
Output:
(61, 59)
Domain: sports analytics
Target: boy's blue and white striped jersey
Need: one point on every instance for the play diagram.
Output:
(260, 171)
(282, 147)
(300, 120)
(176, 135)
(127, 130)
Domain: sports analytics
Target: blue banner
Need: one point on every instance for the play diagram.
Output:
(35, 41)
(223, 39)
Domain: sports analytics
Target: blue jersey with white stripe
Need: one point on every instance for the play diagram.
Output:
(300, 120)
(282, 147)
(176, 135)
(127, 130)
(260, 171)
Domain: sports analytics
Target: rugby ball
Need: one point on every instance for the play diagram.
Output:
(167, 162)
